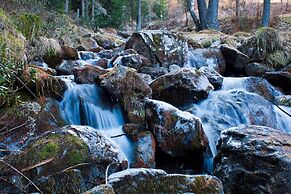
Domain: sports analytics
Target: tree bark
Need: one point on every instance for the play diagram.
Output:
(237, 9)
(202, 8)
(190, 4)
(93, 10)
(67, 6)
(83, 8)
(212, 15)
(266, 13)
(138, 19)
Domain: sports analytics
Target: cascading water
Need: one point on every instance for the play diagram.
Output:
(88, 104)
(234, 105)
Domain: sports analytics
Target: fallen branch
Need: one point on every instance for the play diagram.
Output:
(37, 165)
(17, 127)
(21, 174)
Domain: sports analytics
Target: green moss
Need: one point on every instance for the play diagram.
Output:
(78, 150)
(50, 150)
(278, 59)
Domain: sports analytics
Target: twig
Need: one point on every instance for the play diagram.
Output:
(107, 170)
(10, 130)
(72, 167)
(37, 165)
(21, 175)
(115, 136)
(11, 183)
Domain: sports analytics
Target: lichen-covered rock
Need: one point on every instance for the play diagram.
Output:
(126, 85)
(69, 53)
(78, 154)
(133, 181)
(254, 159)
(89, 74)
(257, 69)
(265, 41)
(145, 149)
(42, 83)
(280, 79)
(235, 60)
(161, 47)
(181, 87)
(210, 57)
(176, 132)
(213, 76)
(101, 189)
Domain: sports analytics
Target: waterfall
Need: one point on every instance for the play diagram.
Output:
(88, 104)
(234, 105)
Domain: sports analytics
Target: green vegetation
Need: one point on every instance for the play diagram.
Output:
(50, 150)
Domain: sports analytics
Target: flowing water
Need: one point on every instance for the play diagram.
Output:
(88, 104)
(234, 105)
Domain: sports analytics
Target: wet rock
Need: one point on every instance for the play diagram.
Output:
(280, 79)
(154, 71)
(50, 50)
(158, 181)
(257, 69)
(210, 57)
(235, 60)
(101, 189)
(97, 49)
(89, 74)
(176, 132)
(126, 85)
(87, 55)
(69, 53)
(108, 41)
(146, 78)
(43, 84)
(254, 159)
(108, 54)
(67, 67)
(278, 59)
(174, 68)
(160, 47)
(213, 76)
(145, 149)
(56, 152)
(190, 84)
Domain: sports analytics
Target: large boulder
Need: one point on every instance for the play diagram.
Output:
(280, 79)
(181, 87)
(177, 132)
(68, 160)
(69, 53)
(210, 57)
(89, 74)
(161, 47)
(127, 86)
(254, 159)
(158, 181)
(42, 83)
(235, 60)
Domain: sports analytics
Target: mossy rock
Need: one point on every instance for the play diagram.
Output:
(278, 59)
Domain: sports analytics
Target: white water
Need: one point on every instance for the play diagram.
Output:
(88, 104)
(234, 105)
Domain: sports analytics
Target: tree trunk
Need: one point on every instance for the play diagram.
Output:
(87, 9)
(193, 15)
(202, 8)
(212, 15)
(67, 6)
(237, 9)
(138, 19)
(83, 8)
(266, 13)
(93, 10)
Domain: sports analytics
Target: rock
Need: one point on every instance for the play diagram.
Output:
(157, 181)
(108, 41)
(89, 43)
(235, 60)
(101, 189)
(89, 74)
(160, 47)
(265, 41)
(87, 55)
(108, 54)
(97, 49)
(174, 68)
(190, 84)
(69, 53)
(103, 63)
(155, 71)
(254, 159)
(146, 78)
(50, 50)
(213, 76)
(280, 79)
(67, 67)
(48, 160)
(126, 85)
(176, 132)
(210, 57)
(284, 100)
(257, 69)
(132, 129)
(287, 68)
(278, 59)
(42, 83)
(145, 149)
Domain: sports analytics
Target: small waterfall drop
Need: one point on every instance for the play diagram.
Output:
(88, 104)
(234, 105)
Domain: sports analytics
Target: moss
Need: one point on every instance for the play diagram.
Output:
(278, 59)
(50, 150)
(78, 150)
